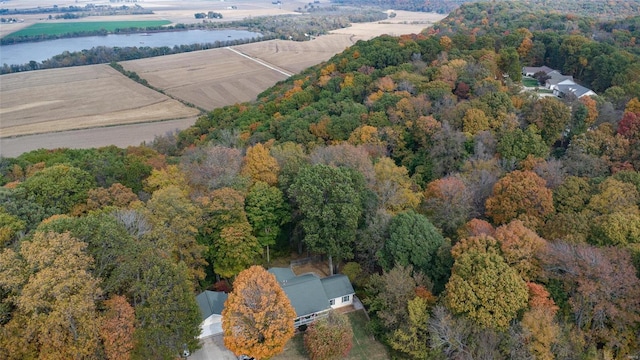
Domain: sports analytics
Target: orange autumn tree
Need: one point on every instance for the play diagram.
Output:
(521, 195)
(117, 327)
(258, 317)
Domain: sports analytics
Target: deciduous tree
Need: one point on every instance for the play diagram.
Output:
(413, 337)
(330, 203)
(58, 187)
(520, 195)
(485, 288)
(603, 292)
(55, 299)
(117, 327)
(448, 203)
(258, 315)
(389, 294)
(175, 220)
(551, 116)
(266, 212)
(259, 165)
(329, 338)
(520, 248)
(394, 188)
(413, 240)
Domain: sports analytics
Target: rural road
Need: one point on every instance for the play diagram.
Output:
(121, 136)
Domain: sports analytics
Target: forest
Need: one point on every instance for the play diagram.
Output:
(475, 220)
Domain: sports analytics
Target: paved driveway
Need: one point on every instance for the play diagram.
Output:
(213, 349)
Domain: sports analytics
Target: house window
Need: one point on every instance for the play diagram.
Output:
(332, 302)
(346, 298)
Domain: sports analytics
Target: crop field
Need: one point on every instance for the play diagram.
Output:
(207, 79)
(80, 97)
(59, 28)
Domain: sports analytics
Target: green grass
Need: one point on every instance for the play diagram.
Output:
(71, 27)
(365, 347)
(530, 82)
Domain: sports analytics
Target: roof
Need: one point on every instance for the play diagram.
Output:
(577, 90)
(211, 302)
(282, 274)
(306, 294)
(556, 77)
(337, 286)
(535, 69)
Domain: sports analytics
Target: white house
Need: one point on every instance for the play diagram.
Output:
(555, 77)
(569, 87)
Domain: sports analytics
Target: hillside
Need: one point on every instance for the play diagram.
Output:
(476, 218)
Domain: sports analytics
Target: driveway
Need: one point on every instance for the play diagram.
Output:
(212, 349)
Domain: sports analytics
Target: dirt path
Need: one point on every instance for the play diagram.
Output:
(121, 136)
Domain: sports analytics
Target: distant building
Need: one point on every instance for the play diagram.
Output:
(532, 70)
(579, 91)
(561, 85)
(555, 77)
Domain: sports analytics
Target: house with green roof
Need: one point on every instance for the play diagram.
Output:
(211, 304)
(313, 297)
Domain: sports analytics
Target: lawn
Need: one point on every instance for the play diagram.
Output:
(530, 82)
(71, 27)
(365, 347)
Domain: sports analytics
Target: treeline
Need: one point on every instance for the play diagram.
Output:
(103, 54)
(481, 221)
(318, 21)
(79, 11)
(598, 9)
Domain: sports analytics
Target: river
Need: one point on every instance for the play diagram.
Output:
(18, 54)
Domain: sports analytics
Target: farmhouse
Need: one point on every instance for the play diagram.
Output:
(312, 297)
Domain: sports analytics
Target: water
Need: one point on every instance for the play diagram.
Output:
(19, 54)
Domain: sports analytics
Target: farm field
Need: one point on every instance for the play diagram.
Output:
(81, 97)
(207, 79)
(59, 28)
(219, 77)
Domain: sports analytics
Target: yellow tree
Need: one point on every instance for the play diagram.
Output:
(258, 316)
(475, 121)
(259, 165)
(54, 295)
(171, 175)
(483, 286)
(394, 187)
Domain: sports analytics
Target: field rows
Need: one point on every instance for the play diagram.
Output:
(207, 79)
(80, 97)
